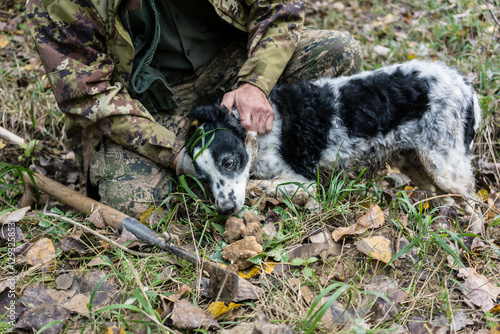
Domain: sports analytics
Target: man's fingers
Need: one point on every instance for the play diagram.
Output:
(246, 120)
(269, 123)
(228, 101)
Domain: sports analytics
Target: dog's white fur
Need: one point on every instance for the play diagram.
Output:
(429, 149)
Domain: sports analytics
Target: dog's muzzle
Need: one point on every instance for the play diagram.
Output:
(227, 207)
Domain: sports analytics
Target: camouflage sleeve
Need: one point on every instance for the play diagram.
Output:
(274, 31)
(74, 42)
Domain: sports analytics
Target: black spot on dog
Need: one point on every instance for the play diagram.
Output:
(221, 195)
(469, 132)
(380, 102)
(306, 112)
(231, 196)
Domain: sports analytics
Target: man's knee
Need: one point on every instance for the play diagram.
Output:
(127, 181)
(324, 53)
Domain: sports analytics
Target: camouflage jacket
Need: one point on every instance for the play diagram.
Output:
(88, 55)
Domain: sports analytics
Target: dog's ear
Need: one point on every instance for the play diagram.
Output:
(210, 113)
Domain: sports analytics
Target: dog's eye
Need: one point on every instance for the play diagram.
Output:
(228, 164)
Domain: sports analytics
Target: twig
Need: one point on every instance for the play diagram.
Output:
(4, 12)
(494, 17)
(10, 137)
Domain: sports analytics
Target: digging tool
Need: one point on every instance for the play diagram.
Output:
(223, 283)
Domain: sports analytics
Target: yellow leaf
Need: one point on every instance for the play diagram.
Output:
(256, 270)
(2, 144)
(218, 309)
(3, 42)
(411, 56)
(145, 215)
(483, 194)
(115, 330)
(42, 252)
(377, 247)
(30, 67)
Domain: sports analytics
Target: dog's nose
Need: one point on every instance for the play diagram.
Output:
(227, 207)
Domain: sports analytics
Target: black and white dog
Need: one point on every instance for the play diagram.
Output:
(420, 117)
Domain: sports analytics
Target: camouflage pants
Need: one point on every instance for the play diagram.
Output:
(130, 182)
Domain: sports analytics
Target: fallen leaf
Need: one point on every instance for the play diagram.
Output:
(64, 281)
(115, 330)
(97, 219)
(36, 294)
(373, 219)
(263, 326)
(3, 41)
(78, 304)
(219, 310)
(419, 325)
(381, 309)
(71, 244)
(246, 328)
(377, 247)
(11, 306)
(41, 252)
(10, 233)
(14, 216)
(306, 251)
(97, 261)
(187, 316)
(478, 289)
(34, 319)
(128, 239)
(304, 290)
(459, 321)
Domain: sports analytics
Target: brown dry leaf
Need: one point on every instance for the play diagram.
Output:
(78, 304)
(9, 233)
(373, 219)
(128, 239)
(419, 325)
(377, 247)
(478, 289)
(41, 252)
(11, 306)
(263, 326)
(306, 251)
(97, 219)
(14, 216)
(97, 261)
(245, 328)
(304, 290)
(187, 316)
(71, 244)
(34, 319)
(64, 281)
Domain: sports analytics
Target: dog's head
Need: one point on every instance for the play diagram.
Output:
(219, 156)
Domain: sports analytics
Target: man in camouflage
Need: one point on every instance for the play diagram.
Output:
(127, 72)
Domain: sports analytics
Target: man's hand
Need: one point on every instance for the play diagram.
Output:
(256, 113)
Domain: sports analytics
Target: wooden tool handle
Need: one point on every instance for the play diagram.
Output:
(78, 201)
